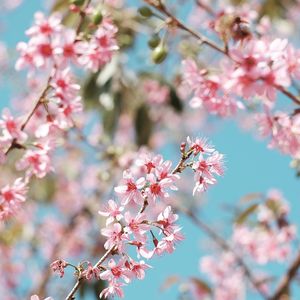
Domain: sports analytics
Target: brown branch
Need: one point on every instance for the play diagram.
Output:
(294, 98)
(204, 6)
(14, 144)
(286, 279)
(71, 295)
(82, 15)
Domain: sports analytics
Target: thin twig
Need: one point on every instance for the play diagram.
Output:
(71, 295)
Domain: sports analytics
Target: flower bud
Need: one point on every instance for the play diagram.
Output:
(97, 17)
(159, 54)
(154, 41)
(145, 12)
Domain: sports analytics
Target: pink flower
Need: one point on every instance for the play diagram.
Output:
(130, 190)
(166, 219)
(11, 197)
(200, 145)
(208, 91)
(100, 49)
(66, 49)
(37, 162)
(45, 26)
(112, 211)
(91, 272)
(260, 68)
(206, 168)
(64, 85)
(59, 267)
(38, 53)
(148, 162)
(157, 188)
(26, 58)
(115, 236)
(116, 271)
(11, 128)
(136, 226)
(142, 250)
(227, 277)
(163, 171)
(167, 244)
(113, 289)
(138, 269)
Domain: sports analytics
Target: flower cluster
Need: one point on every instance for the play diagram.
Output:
(208, 165)
(208, 90)
(283, 129)
(261, 67)
(53, 49)
(142, 218)
(53, 44)
(11, 198)
(226, 275)
(268, 239)
(258, 68)
(271, 239)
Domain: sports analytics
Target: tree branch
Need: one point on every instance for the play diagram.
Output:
(286, 279)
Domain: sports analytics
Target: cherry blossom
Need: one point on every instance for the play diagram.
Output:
(130, 191)
(59, 267)
(11, 197)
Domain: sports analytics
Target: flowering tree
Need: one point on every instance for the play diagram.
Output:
(85, 191)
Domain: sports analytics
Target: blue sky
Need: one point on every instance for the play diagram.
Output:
(251, 167)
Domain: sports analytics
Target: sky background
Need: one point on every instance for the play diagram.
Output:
(251, 167)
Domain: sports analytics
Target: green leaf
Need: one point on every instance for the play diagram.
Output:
(241, 218)
(60, 5)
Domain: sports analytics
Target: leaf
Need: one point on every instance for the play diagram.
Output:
(201, 285)
(251, 197)
(245, 214)
(143, 125)
(169, 282)
(70, 20)
(59, 5)
(273, 205)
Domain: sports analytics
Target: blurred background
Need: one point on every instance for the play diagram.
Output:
(250, 166)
